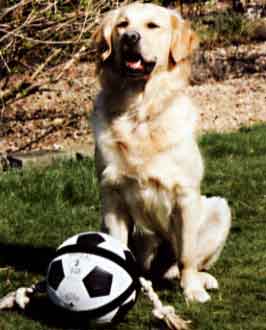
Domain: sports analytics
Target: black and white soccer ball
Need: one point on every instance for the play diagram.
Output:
(94, 274)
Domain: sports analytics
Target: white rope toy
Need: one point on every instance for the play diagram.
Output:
(161, 312)
(20, 297)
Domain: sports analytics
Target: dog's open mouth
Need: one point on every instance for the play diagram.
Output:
(136, 66)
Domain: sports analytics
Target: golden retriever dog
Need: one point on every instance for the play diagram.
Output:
(148, 161)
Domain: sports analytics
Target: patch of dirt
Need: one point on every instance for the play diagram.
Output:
(230, 87)
(220, 64)
(228, 105)
(56, 118)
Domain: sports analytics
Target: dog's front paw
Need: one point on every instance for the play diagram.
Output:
(196, 295)
(194, 287)
(172, 273)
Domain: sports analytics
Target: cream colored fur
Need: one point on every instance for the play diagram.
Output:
(148, 161)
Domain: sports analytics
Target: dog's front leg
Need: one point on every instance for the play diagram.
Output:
(191, 279)
(116, 221)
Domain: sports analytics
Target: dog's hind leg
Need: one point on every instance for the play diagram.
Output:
(213, 232)
(213, 226)
(211, 237)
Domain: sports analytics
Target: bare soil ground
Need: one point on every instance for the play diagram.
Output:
(229, 85)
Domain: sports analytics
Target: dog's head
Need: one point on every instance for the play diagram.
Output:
(138, 40)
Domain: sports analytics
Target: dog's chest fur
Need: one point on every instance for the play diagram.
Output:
(146, 143)
(143, 151)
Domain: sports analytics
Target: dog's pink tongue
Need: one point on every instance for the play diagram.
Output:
(135, 65)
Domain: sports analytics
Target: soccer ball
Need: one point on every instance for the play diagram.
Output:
(95, 274)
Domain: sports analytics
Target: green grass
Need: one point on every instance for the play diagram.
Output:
(40, 208)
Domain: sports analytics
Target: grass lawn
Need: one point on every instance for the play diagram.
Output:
(41, 208)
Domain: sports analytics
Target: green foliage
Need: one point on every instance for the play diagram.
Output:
(40, 208)
(224, 28)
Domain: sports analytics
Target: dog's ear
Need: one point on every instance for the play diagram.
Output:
(184, 39)
(102, 37)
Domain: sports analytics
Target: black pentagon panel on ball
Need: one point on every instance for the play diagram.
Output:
(98, 282)
(56, 274)
(90, 239)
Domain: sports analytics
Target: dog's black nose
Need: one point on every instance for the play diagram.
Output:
(131, 38)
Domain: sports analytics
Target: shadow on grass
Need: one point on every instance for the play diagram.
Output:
(53, 317)
(42, 310)
(26, 257)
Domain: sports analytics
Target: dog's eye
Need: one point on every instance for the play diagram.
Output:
(122, 24)
(152, 25)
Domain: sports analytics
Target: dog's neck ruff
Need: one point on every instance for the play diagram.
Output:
(132, 96)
